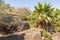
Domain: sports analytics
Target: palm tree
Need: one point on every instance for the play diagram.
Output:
(44, 11)
(41, 16)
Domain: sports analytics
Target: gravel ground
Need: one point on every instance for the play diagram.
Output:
(56, 36)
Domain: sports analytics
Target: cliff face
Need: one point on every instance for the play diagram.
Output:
(31, 34)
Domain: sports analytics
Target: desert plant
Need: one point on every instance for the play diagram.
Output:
(46, 35)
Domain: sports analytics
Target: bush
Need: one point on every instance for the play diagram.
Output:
(46, 35)
(6, 20)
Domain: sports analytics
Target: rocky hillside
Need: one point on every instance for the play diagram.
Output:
(31, 34)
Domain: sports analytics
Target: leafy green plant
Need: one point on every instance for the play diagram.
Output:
(41, 12)
(46, 35)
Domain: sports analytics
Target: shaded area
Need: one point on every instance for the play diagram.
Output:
(13, 37)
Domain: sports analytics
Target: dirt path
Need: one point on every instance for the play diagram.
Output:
(56, 36)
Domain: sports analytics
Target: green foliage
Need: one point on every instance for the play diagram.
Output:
(33, 20)
(46, 35)
(42, 11)
(46, 12)
(57, 18)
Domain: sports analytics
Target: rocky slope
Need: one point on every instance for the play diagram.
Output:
(31, 34)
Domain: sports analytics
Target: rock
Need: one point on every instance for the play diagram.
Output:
(1, 35)
(31, 34)
(20, 26)
(34, 35)
(56, 36)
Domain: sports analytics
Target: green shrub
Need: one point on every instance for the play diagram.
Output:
(46, 35)
(58, 28)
